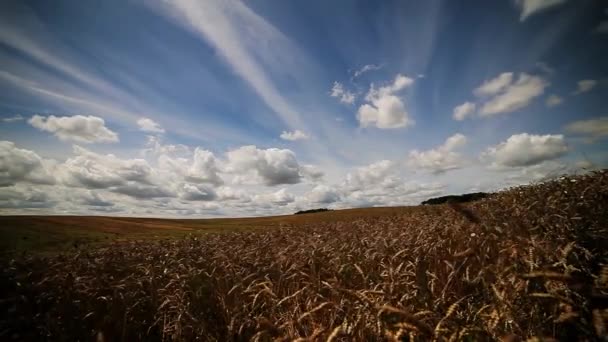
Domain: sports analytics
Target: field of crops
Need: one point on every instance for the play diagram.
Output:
(527, 263)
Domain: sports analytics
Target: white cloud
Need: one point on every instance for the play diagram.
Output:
(345, 96)
(97, 171)
(554, 100)
(366, 68)
(525, 150)
(495, 85)
(13, 118)
(440, 159)
(379, 173)
(594, 128)
(19, 197)
(271, 166)
(294, 135)
(513, 96)
(311, 172)
(149, 125)
(322, 194)
(280, 198)
(463, 111)
(531, 7)
(197, 192)
(78, 128)
(584, 86)
(385, 110)
(20, 165)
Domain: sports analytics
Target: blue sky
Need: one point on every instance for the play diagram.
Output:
(227, 108)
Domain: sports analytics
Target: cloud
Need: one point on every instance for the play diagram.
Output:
(294, 135)
(24, 198)
(97, 171)
(78, 128)
(378, 173)
(584, 86)
(280, 198)
(149, 125)
(247, 42)
(323, 194)
(13, 118)
(594, 128)
(495, 85)
(366, 68)
(440, 159)
(531, 7)
(511, 96)
(142, 191)
(200, 166)
(272, 166)
(384, 109)
(345, 96)
(92, 198)
(525, 149)
(311, 172)
(463, 111)
(197, 192)
(554, 100)
(20, 165)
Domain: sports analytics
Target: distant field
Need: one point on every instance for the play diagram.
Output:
(63, 233)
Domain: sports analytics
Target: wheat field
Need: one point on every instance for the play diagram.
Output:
(528, 263)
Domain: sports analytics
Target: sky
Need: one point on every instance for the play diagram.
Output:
(187, 108)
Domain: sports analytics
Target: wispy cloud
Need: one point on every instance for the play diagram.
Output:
(14, 118)
(245, 40)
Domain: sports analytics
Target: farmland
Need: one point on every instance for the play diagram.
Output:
(526, 263)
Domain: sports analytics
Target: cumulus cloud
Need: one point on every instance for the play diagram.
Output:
(463, 111)
(16, 197)
(150, 126)
(344, 95)
(13, 118)
(526, 150)
(510, 96)
(553, 101)
(593, 128)
(531, 7)
(440, 159)
(78, 128)
(584, 86)
(294, 135)
(379, 173)
(91, 198)
(323, 194)
(20, 165)
(384, 109)
(311, 172)
(97, 171)
(197, 192)
(272, 166)
(280, 198)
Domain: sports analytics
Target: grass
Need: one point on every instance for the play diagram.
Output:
(527, 264)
